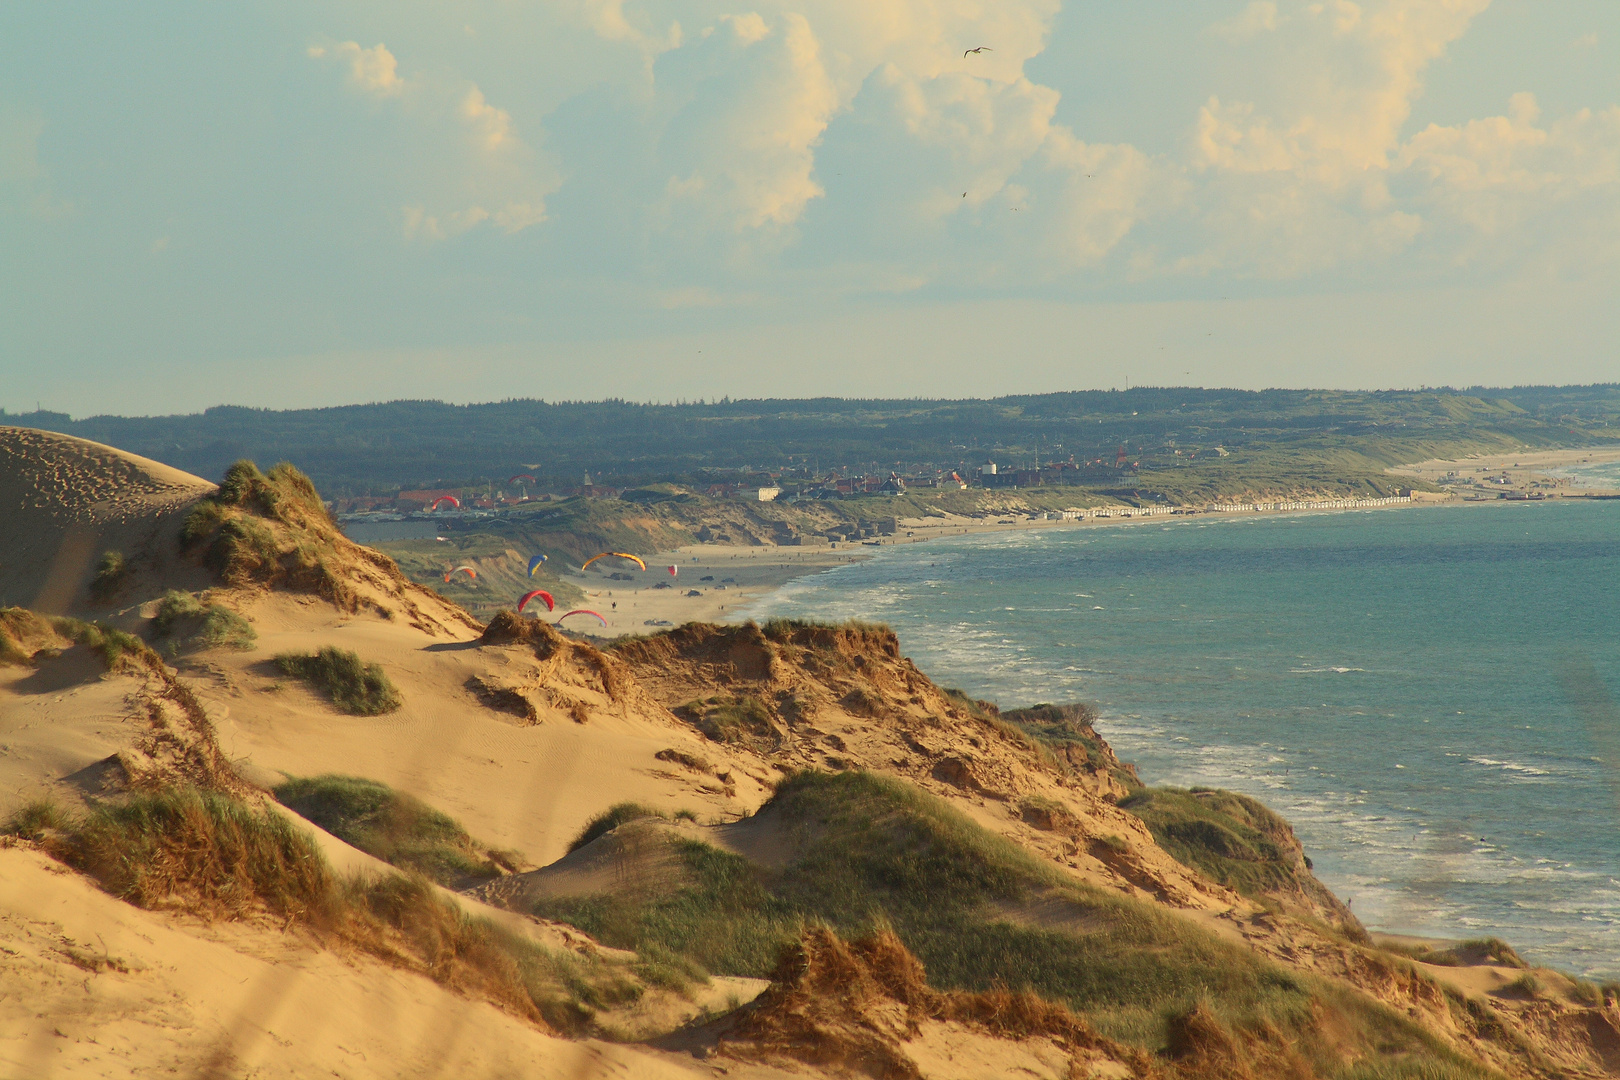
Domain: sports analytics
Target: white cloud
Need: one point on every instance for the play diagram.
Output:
(373, 70)
(1259, 17)
(715, 140)
(755, 110)
(492, 127)
(24, 182)
(469, 149)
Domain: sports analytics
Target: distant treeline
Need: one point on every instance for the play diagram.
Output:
(380, 448)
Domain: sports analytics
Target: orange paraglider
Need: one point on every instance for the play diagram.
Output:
(615, 554)
(551, 605)
(470, 573)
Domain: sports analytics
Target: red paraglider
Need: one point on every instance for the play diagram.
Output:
(521, 476)
(674, 570)
(583, 611)
(451, 499)
(551, 605)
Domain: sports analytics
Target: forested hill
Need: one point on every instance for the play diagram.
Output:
(386, 446)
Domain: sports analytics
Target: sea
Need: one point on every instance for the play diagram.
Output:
(1428, 693)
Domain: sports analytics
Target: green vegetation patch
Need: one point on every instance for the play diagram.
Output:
(355, 686)
(191, 623)
(1067, 731)
(872, 852)
(395, 828)
(1486, 950)
(270, 529)
(25, 636)
(112, 570)
(610, 819)
(744, 721)
(1227, 837)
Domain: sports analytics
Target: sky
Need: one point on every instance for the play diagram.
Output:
(299, 204)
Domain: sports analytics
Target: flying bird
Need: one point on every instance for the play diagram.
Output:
(980, 49)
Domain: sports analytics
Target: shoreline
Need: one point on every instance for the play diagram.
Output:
(742, 575)
(738, 576)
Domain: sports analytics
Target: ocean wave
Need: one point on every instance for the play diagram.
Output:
(1324, 670)
(1510, 766)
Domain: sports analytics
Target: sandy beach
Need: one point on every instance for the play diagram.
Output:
(1527, 471)
(727, 578)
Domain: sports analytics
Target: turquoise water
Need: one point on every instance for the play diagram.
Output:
(1396, 682)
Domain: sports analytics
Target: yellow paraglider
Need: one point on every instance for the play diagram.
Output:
(616, 554)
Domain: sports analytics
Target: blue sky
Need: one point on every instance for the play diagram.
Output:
(306, 204)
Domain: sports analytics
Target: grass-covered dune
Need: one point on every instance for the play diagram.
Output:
(869, 853)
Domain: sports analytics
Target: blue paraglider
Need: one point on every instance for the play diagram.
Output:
(535, 562)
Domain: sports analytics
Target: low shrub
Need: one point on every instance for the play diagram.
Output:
(355, 686)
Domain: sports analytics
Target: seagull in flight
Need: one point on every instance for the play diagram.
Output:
(980, 49)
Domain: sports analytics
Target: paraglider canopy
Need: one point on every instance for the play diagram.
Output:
(535, 562)
(617, 554)
(520, 476)
(451, 499)
(674, 570)
(582, 611)
(551, 605)
(470, 573)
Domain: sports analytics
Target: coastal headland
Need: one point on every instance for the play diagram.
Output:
(271, 803)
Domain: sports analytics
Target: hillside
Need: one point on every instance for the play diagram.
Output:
(1285, 438)
(779, 850)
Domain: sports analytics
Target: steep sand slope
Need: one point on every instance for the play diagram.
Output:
(63, 501)
(94, 987)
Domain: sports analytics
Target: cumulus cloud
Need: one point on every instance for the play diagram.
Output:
(373, 70)
(758, 99)
(717, 134)
(472, 145)
(1257, 18)
(1492, 184)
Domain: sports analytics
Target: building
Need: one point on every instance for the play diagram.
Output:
(769, 494)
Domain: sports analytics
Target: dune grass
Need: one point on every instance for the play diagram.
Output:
(873, 852)
(204, 853)
(743, 721)
(355, 686)
(191, 623)
(1229, 838)
(611, 819)
(112, 570)
(395, 828)
(25, 636)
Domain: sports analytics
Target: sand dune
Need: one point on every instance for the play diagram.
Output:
(63, 501)
(523, 735)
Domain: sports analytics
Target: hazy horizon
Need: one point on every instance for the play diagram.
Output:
(303, 205)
